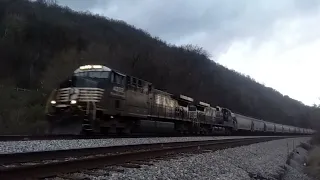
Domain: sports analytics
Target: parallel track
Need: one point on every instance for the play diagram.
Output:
(70, 137)
(89, 158)
(66, 137)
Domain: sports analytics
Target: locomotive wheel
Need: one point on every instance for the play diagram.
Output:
(127, 131)
(119, 131)
(65, 129)
(104, 130)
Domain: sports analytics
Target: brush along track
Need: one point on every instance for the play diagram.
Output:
(90, 158)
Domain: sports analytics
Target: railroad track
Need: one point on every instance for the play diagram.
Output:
(54, 163)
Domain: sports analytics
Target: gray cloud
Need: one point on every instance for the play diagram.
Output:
(213, 24)
(78, 5)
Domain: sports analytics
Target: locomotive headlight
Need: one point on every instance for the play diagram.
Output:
(53, 102)
(73, 102)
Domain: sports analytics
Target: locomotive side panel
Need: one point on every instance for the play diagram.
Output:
(164, 106)
(137, 96)
(137, 102)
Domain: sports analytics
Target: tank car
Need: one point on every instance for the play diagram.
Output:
(270, 127)
(258, 125)
(278, 128)
(243, 123)
(286, 129)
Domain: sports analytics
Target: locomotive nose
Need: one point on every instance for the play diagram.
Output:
(74, 93)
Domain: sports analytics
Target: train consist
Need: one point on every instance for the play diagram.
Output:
(97, 99)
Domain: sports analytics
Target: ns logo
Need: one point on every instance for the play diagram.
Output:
(74, 93)
(118, 89)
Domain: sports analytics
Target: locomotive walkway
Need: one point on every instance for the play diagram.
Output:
(53, 163)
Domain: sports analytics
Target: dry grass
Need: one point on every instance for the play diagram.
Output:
(313, 162)
(315, 139)
(21, 112)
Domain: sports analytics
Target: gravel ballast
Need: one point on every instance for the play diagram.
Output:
(50, 145)
(263, 161)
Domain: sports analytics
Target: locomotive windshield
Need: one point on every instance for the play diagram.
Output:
(192, 108)
(93, 79)
(94, 74)
(98, 79)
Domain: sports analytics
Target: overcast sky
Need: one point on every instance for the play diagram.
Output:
(277, 42)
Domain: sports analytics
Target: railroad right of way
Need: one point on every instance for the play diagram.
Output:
(52, 163)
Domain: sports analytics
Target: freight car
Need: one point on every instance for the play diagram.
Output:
(258, 125)
(278, 128)
(97, 99)
(286, 129)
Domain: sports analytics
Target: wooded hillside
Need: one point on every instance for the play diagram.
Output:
(42, 43)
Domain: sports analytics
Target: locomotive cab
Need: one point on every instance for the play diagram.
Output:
(210, 114)
(204, 111)
(88, 84)
(82, 97)
(223, 115)
(192, 111)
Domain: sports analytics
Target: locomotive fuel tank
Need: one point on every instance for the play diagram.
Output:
(148, 126)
